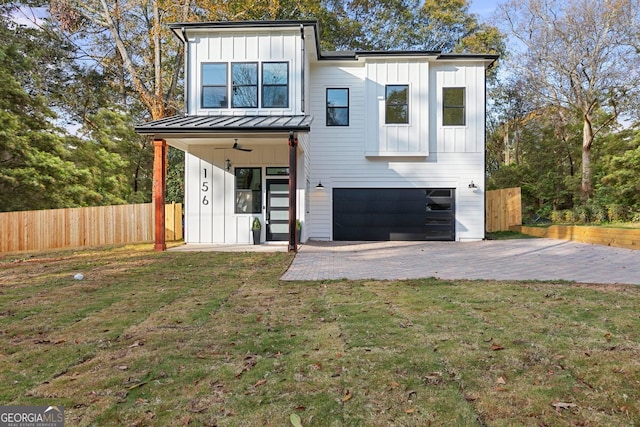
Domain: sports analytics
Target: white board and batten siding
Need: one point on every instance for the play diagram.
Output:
(397, 139)
(250, 46)
(210, 192)
(423, 154)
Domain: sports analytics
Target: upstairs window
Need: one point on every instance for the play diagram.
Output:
(275, 85)
(337, 107)
(214, 85)
(453, 106)
(397, 104)
(245, 85)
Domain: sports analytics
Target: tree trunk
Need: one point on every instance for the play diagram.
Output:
(507, 145)
(587, 141)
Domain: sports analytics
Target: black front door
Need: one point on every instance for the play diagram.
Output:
(277, 209)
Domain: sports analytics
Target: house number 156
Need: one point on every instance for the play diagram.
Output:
(205, 188)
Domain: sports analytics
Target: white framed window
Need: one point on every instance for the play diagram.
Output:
(396, 104)
(246, 84)
(337, 107)
(275, 85)
(214, 85)
(453, 106)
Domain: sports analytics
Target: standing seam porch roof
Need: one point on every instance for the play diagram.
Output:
(225, 124)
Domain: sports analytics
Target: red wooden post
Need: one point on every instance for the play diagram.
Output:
(159, 190)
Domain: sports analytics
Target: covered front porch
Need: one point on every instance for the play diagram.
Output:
(238, 171)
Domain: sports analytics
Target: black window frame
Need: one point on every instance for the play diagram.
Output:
(274, 85)
(390, 105)
(225, 103)
(331, 120)
(254, 202)
(236, 86)
(450, 107)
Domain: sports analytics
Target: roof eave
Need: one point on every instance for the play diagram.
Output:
(200, 132)
(179, 28)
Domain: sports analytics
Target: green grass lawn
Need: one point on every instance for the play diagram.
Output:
(215, 339)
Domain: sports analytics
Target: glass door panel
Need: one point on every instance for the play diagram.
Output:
(277, 210)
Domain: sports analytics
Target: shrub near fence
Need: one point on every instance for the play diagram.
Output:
(84, 227)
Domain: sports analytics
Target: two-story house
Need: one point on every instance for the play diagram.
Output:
(364, 145)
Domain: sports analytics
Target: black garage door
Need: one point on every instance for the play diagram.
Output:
(378, 214)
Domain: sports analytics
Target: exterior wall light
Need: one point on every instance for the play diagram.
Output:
(472, 185)
(319, 186)
(227, 164)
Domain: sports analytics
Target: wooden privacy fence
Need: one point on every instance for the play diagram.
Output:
(503, 209)
(84, 227)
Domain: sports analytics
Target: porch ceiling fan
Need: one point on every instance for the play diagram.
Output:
(237, 146)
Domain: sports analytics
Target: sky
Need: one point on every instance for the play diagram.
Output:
(483, 8)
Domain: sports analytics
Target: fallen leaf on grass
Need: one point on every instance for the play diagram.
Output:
(347, 396)
(501, 380)
(409, 411)
(137, 385)
(434, 378)
(260, 382)
(295, 420)
(193, 407)
(496, 347)
(563, 405)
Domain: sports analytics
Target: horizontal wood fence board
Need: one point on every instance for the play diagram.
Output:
(84, 227)
(618, 237)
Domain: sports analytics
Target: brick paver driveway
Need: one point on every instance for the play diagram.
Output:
(524, 259)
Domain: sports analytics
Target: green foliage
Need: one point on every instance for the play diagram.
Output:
(36, 170)
(545, 164)
(256, 224)
(619, 172)
(175, 176)
(127, 173)
(406, 25)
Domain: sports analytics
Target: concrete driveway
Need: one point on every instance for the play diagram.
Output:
(524, 259)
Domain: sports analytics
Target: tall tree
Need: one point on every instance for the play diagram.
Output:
(444, 25)
(130, 39)
(579, 55)
(36, 168)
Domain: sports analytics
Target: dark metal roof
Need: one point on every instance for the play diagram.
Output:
(438, 55)
(224, 124)
(244, 24)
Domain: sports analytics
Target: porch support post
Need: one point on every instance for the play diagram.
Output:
(293, 174)
(159, 190)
